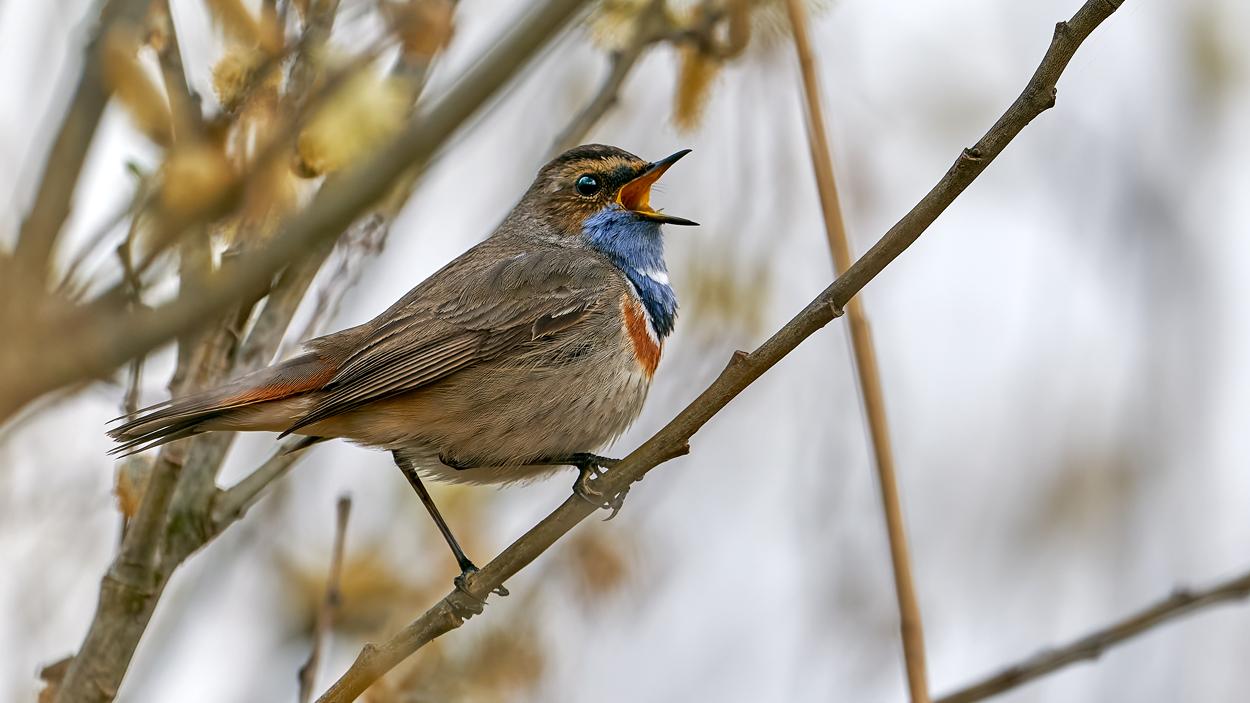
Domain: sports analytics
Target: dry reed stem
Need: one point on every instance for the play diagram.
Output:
(911, 626)
(743, 369)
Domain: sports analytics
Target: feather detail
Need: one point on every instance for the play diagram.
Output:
(490, 302)
(192, 415)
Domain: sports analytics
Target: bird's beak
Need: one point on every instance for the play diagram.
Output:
(635, 195)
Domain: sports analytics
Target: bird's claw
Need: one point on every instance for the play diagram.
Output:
(595, 497)
(461, 583)
(475, 605)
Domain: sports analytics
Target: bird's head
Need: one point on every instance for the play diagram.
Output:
(602, 184)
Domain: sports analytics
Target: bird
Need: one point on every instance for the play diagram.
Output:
(528, 352)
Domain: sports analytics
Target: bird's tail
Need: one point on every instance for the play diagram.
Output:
(247, 403)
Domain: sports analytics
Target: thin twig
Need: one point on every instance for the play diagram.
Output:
(622, 63)
(651, 25)
(910, 622)
(743, 369)
(131, 402)
(184, 105)
(329, 606)
(304, 69)
(1181, 602)
(233, 502)
(43, 224)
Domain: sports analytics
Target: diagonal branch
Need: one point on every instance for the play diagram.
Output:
(232, 503)
(911, 626)
(651, 25)
(623, 61)
(743, 369)
(1182, 602)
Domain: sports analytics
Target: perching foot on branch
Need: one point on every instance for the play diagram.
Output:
(588, 468)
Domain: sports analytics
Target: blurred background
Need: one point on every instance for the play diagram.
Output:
(1065, 353)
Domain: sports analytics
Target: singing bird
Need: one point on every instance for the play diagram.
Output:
(529, 352)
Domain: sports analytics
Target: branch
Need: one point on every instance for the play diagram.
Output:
(651, 25)
(136, 579)
(910, 623)
(622, 63)
(56, 190)
(1038, 96)
(317, 26)
(743, 369)
(329, 606)
(95, 343)
(232, 503)
(1181, 602)
(128, 593)
(184, 106)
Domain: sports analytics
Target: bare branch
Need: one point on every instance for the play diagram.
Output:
(316, 33)
(651, 25)
(743, 369)
(128, 593)
(232, 503)
(135, 581)
(96, 342)
(329, 606)
(1181, 602)
(56, 189)
(622, 63)
(184, 106)
(1038, 96)
(911, 626)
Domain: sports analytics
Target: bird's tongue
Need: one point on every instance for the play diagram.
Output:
(636, 195)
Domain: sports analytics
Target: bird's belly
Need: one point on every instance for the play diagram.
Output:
(501, 416)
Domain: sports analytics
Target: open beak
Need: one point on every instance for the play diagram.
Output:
(635, 195)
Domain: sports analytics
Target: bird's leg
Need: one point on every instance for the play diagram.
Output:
(462, 560)
(588, 467)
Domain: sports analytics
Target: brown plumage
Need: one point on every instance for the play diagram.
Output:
(527, 351)
(529, 346)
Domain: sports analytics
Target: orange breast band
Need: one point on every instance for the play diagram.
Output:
(646, 350)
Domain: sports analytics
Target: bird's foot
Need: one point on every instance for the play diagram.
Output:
(475, 605)
(588, 467)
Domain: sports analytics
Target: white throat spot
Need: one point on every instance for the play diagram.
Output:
(656, 275)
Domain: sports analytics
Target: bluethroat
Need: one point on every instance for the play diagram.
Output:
(529, 352)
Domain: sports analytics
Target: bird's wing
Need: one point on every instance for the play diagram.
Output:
(478, 307)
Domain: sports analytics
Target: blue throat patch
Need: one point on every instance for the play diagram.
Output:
(636, 246)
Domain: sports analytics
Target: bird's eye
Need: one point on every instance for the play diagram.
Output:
(587, 185)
